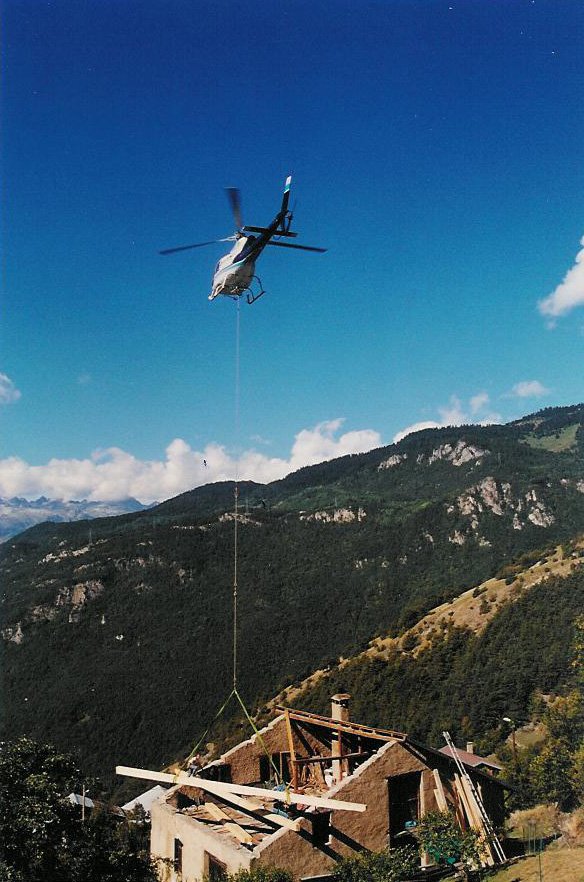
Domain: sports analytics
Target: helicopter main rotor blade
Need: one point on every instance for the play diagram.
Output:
(235, 202)
(197, 245)
(299, 247)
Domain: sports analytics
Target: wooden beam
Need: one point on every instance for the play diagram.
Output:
(220, 788)
(474, 818)
(364, 754)
(464, 800)
(346, 727)
(292, 751)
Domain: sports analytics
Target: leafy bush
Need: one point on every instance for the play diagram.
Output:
(381, 866)
(42, 837)
(439, 835)
(262, 874)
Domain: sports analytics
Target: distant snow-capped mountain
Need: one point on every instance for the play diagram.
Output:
(18, 514)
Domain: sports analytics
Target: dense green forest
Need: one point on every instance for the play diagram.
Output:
(118, 632)
(465, 682)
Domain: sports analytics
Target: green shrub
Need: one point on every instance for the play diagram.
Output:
(379, 866)
(262, 874)
(439, 834)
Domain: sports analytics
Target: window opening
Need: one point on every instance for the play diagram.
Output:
(321, 828)
(216, 871)
(404, 807)
(275, 767)
(178, 850)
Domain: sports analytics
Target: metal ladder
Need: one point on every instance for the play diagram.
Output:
(491, 836)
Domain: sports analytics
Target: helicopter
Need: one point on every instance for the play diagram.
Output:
(235, 271)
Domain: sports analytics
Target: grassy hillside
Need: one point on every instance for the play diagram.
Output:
(557, 865)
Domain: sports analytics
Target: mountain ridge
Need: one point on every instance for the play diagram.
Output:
(330, 558)
(18, 513)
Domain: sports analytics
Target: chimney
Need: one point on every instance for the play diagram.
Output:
(340, 712)
(340, 707)
(470, 746)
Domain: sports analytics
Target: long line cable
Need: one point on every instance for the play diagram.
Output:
(236, 493)
(234, 692)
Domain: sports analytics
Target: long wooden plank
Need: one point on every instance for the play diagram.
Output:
(238, 832)
(228, 790)
(439, 792)
(480, 825)
(234, 828)
(246, 805)
(474, 817)
(289, 796)
(217, 812)
(463, 798)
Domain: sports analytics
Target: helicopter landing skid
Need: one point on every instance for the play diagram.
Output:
(251, 297)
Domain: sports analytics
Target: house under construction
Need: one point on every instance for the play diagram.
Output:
(351, 787)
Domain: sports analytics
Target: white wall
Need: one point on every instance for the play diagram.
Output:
(198, 841)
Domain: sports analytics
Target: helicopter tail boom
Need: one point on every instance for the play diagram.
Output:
(265, 230)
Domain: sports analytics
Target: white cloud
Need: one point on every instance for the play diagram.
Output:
(259, 439)
(569, 293)
(8, 391)
(528, 389)
(478, 402)
(114, 473)
(454, 414)
(415, 427)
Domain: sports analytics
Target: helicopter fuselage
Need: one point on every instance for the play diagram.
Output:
(234, 271)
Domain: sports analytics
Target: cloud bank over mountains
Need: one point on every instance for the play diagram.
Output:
(115, 474)
(477, 410)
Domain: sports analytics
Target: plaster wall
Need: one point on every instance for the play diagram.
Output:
(350, 831)
(244, 759)
(198, 841)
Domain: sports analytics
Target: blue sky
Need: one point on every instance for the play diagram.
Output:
(436, 152)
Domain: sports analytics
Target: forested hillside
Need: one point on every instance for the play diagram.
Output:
(117, 641)
(466, 682)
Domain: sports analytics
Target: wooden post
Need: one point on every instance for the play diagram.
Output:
(293, 763)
